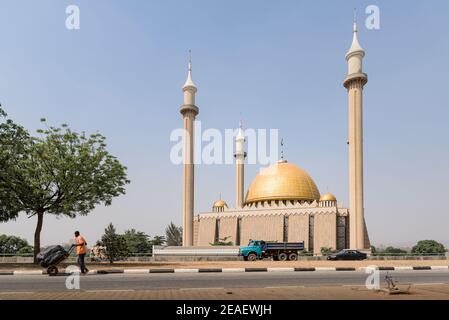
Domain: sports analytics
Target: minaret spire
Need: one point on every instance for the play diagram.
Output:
(354, 83)
(189, 82)
(189, 112)
(240, 156)
(356, 48)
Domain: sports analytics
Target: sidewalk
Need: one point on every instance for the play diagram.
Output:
(440, 292)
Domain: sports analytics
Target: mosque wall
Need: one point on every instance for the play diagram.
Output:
(298, 229)
(196, 223)
(228, 228)
(206, 231)
(268, 228)
(325, 231)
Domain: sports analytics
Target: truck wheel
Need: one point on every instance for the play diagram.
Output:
(252, 257)
(283, 257)
(293, 257)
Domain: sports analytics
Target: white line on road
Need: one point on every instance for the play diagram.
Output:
(403, 268)
(325, 269)
(233, 270)
(186, 270)
(439, 268)
(281, 269)
(28, 272)
(136, 271)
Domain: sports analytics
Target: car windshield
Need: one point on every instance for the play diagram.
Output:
(342, 252)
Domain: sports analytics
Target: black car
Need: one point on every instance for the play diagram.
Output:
(348, 255)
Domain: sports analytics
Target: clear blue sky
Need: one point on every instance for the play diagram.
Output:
(279, 64)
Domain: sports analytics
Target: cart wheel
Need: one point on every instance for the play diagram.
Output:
(52, 271)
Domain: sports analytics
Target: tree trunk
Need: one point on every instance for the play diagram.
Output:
(37, 235)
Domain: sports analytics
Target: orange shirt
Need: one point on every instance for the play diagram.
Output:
(81, 249)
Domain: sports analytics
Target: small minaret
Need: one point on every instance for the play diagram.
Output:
(354, 83)
(189, 112)
(240, 156)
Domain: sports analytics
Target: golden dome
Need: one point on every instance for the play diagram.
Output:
(220, 204)
(282, 181)
(328, 197)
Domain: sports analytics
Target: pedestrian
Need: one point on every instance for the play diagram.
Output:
(81, 250)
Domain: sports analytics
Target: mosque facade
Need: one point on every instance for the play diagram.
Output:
(283, 203)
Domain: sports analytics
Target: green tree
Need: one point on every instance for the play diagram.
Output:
(158, 241)
(428, 247)
(393, 251)
(13, 245)
(115, 244)
(222, 242)
(61, 172)
(137, 242)
(25, 250)
(173, 235)
(325, 251)
(14, 142)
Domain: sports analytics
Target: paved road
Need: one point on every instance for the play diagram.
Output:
(216, 280)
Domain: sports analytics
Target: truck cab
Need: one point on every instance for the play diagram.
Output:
(253, 251)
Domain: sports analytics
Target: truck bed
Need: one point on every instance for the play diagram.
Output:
(284, 246)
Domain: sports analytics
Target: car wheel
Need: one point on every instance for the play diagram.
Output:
(283, 257)
(252, 257)
(293, 257)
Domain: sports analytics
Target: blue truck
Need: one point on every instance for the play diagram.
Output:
(279, 251)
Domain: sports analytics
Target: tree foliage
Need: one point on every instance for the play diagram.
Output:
(158, 241)
(428, 247)
(173, 235)
(59, 172)
(116, 248)
(222, 242)
(14, 245)
(137, 242)
(393, 251)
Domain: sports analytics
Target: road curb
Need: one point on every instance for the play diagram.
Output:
(226, 270)
(345, 269)
(162, 270)
(256, 269)
(111, 271)
(210, 270)
(28, 272)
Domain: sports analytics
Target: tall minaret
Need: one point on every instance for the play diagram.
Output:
(189, 111)
(240, 156)
(354, 83)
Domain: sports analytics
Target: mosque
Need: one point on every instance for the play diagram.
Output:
(282, 203)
